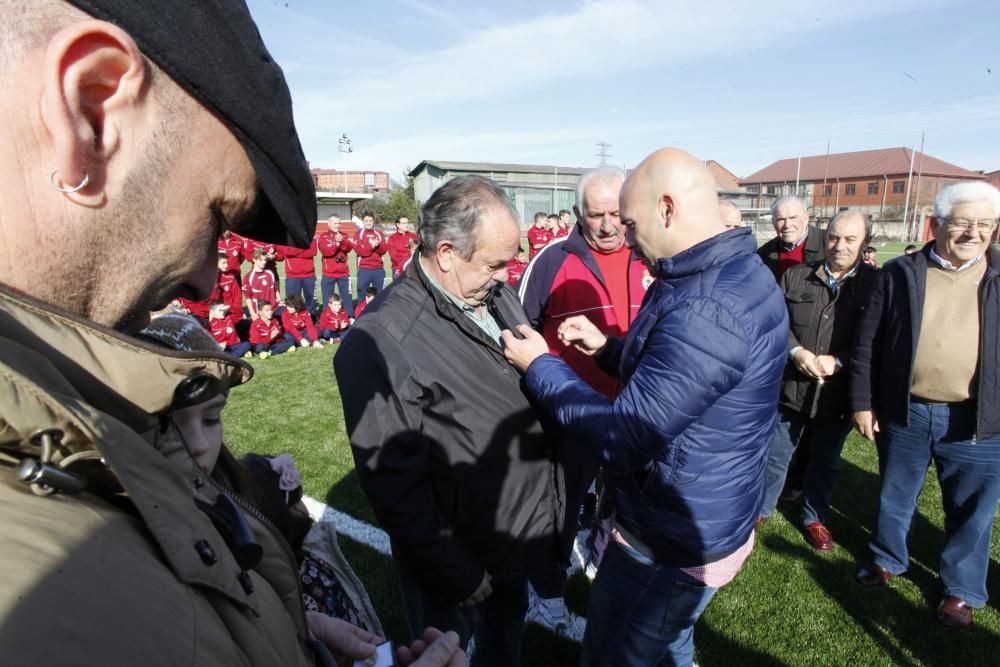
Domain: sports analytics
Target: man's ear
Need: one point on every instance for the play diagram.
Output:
(93, 73)
(666, 208)
(444, 255)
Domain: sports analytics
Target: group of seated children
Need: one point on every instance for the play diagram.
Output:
(266, 325)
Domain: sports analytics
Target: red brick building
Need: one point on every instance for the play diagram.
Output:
(874, 182)
(993, 178)
(333, 180)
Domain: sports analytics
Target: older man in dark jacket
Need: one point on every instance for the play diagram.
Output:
(796, 241)
(684, 444)
(825, 300)
(447, 447)
(924, 385)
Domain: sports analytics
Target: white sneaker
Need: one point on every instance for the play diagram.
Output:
(552, 613)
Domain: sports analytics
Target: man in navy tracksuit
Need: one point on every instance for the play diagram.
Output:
(684, 444)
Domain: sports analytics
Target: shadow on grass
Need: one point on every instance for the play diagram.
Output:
(903, 630)
(852, 517)
(714, 648)
(901, 626)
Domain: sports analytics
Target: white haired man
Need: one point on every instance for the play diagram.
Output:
(923, 386)
(797, 242)
(590, 271)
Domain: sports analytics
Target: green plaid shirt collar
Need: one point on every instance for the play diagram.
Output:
(481, 316)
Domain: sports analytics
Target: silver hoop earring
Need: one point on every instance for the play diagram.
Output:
(67, 191)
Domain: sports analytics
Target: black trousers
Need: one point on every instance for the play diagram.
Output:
(497, 622)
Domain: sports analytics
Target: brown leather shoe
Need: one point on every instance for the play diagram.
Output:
(954, 612)
(819, 537)
(872, 575)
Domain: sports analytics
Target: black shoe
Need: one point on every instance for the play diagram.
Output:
(872, 575)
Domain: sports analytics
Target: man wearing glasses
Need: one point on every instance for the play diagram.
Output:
(924, 386)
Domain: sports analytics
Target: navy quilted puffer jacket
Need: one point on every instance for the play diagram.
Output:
(684, 445)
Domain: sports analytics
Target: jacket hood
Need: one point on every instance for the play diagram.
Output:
(720, 249)
(103, 365)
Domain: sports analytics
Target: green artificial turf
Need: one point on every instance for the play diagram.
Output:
(789, 605)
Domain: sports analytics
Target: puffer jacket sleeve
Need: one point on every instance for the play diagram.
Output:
(383, 416)
(694, 353)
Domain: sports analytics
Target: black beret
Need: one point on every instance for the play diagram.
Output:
(212, 49)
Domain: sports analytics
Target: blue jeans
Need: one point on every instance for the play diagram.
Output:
(304, 286)
(239, 349)
(497, 622)
(826, 437)
(366, 277)
(343, 288)
(969, 473)
(274, 348)
(641, 614)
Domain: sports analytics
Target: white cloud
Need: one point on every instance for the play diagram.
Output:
(388, 103)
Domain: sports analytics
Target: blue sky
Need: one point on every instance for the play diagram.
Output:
(744, 83)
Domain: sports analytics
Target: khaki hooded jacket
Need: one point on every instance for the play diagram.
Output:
(128, 571)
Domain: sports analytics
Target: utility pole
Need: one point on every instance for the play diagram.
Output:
(603, 152)
(914, 231)
(906, 203)
(345, 148)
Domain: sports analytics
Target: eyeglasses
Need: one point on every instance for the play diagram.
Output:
(965, 224)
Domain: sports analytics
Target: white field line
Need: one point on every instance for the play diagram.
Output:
(377, 539)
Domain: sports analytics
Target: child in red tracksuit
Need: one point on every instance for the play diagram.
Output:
(297, 323)
(224, 331)
(516, 267)
(197, 309)
(334, 321)
(271, 251)
(260, 284)
(266, 334)
(233, 247)
(370, 294)
(227, 290)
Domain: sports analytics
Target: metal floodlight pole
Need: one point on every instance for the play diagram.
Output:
(345, 148)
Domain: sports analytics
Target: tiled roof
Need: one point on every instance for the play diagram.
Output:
(724, 179)
(860, 164)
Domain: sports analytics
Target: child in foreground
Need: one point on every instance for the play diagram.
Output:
(338, 611)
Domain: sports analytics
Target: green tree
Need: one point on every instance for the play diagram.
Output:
(401, 203)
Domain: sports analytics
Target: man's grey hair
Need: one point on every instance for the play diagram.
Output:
(787, 199)
(599, 175)
(964, 193)
(454, 211)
